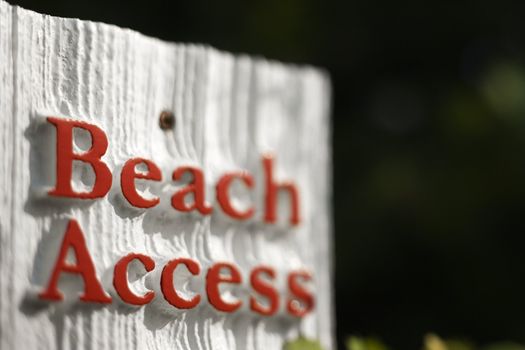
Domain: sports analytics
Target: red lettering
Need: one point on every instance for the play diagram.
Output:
(272, 189)
(214, 278)
(168, 289)
(127, 182)
(300, 294)
(196, 187)
(66, 156)
(84, 266)
(120, 279)
(223, 196)
(264, 288)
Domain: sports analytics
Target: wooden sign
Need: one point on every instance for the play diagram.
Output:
(158, 195)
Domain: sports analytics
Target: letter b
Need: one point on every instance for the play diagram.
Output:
(65, 157)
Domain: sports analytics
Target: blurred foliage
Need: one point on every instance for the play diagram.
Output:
(431, 342)
(302, 343)
(505, 346)
(356, 343)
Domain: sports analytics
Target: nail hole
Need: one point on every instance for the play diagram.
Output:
(166, 120)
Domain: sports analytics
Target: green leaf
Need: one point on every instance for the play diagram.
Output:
(505, 346)
(357, 343)
(459, 345)
(302, 343)
(433, 342)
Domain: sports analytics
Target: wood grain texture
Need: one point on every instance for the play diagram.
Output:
(229, 109)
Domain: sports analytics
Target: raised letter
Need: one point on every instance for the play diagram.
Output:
(65, 157)
(300, 294)
(127, 182)
(266, 289)
(120, 279)
(196, 187)
(168, 289)
(214, 278)
(93, 291)
(272, 189)
(223, 196)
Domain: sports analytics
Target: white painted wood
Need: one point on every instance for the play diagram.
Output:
(229, 110)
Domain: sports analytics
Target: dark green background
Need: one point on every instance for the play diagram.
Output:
(429, 141)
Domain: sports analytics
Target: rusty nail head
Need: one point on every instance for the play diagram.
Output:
(166, 120)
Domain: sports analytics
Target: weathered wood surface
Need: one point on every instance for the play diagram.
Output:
(229, 110)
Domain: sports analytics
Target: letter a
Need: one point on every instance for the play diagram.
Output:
(196, 187)
(84, 266)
